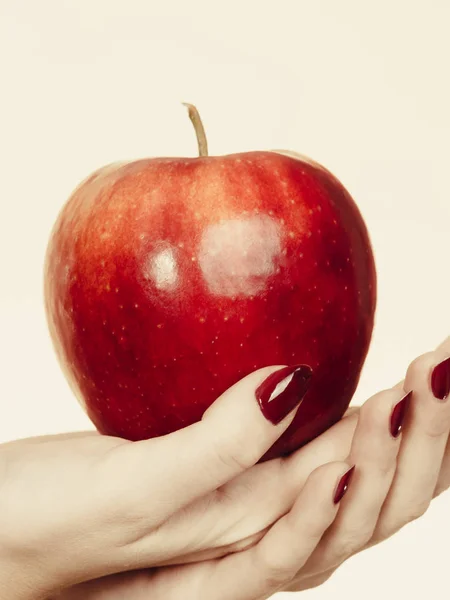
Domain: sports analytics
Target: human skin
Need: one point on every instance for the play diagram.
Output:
(394, 481)
(420, 472)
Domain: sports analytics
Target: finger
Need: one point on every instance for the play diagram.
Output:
(273, 562)
(234, 433)
(302, 583)
(272, 486)
(374, 449)
(332, 445)
(246, 575)
(213, 553)
(444, 476)
(423, 444)
(443, 347)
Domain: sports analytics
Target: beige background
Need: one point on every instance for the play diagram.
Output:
(363, 87)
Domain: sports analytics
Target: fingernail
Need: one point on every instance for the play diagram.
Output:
(282, 391)
(398, 415)
(440, 380)
(343, 485)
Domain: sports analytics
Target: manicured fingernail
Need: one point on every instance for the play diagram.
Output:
(440, 380)
(398, 415)
(282, 391)
(343, 485)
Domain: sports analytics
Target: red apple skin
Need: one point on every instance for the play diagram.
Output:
(168, 280)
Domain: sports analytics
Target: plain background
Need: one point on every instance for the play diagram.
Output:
(362, 87)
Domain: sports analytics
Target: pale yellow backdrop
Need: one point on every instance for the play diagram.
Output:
(361, 86)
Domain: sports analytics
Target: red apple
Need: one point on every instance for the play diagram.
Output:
(169, 279)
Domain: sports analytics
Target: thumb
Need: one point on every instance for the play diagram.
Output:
(445, 345)
(234, 433)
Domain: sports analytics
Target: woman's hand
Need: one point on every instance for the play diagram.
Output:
(401, 464)
(420, 472)
(253, 574)
(83, 506)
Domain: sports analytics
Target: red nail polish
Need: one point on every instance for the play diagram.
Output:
(440, 380)
(282, 391)
(398, 415)
(343, 485)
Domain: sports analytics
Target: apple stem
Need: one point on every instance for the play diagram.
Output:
(199, 129)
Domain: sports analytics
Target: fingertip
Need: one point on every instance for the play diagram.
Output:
(281, 393)
(420, 374)
(240, 427)
(343, 485)
(326, 478)
(380, 423)
(377, 413)
(319, 500)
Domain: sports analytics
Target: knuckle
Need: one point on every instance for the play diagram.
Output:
(364, 540)
(391, 526)
(445, 345)
(438, 426)
(373, 403)
(233, 456)
(421, 364)
(417, 511)
(384, 532)
(275, 574)
(387, 467)
(300, 585)
(349, 545)
(275, 581)
(441, 488)
(373, 412)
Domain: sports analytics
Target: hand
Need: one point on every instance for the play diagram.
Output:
(420, 472)
(82, 506)
(376, 507)
(253, 574)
